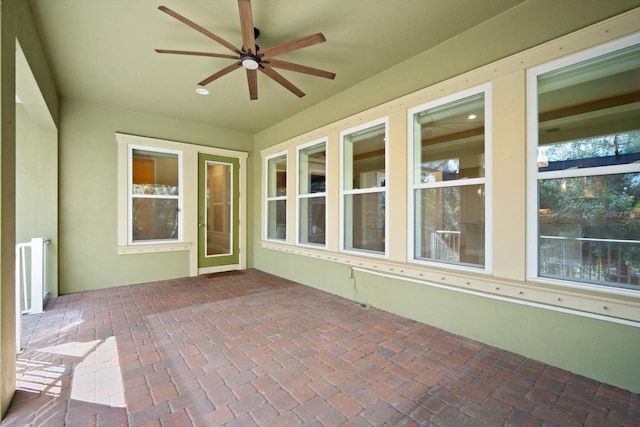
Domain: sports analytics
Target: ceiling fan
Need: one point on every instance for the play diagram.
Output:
(251, 56)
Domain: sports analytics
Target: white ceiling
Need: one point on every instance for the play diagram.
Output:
(102, 51)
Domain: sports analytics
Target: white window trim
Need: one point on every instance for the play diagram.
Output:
(268, 199)
(533, 175)
(486, 89)
(131, 196)
(383, 190)
(323, 194)
(189, 197)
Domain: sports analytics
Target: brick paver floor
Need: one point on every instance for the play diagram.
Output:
(249, 348)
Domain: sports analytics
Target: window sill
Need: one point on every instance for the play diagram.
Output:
(146, 249)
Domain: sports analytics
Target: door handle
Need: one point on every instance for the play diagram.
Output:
(202, 225)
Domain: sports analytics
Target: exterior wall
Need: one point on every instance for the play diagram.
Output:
(582, 334)
(16, 23)
(89, 191)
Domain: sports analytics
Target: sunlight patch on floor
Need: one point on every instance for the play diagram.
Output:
(98, 378)
(96, 375)
(75, 349)
(39, 377)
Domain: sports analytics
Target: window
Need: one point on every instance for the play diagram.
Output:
(154, 195)
(276, 205)
(312, 195)
(449, 140)
(584, 132)
(364, 190)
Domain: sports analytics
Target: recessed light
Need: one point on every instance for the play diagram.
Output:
(471, 116)
(202, 91)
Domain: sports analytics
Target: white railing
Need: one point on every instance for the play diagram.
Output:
(31, 284)
(607, 261)
(445, 245)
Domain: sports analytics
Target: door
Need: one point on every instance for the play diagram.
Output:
(218, 212)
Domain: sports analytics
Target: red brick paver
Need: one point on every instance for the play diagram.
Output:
(248, 348)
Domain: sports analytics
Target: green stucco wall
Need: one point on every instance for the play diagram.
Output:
(37, 189)
(88, 194)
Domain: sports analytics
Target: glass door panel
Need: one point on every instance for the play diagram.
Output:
(218, 211)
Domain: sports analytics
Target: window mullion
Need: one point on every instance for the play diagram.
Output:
(453, 183)
(595, 171)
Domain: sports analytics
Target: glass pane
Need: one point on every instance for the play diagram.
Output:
(277, 219)
(155, 219)
(589, 229)
(588, 113)
(364, 158)
(154, 173)
(449, 225)
(449, 141)
(219, 209)
(312, 220)
(365, 222)
(312, 166)
(277, 176)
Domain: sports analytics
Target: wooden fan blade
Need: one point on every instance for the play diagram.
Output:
(276, 63)
(188, 52)
(246, 25)
(284, 82)
(292, 45)
(220, 73)
(200, 29)
(252, 79)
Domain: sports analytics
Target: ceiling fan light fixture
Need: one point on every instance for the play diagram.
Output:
(202, 91)
(250, 62)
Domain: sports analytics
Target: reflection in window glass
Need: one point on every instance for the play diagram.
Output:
(364, 188)
(154, 195)
(449, 142)
(587, 183)
(219, 208)
(277, 219)
(312, 220)
(312, 171)
(441, 235)
(155, 219)
(449, 181)
(276, 169)
(366, 231)
(364, 158)
(605, 150)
